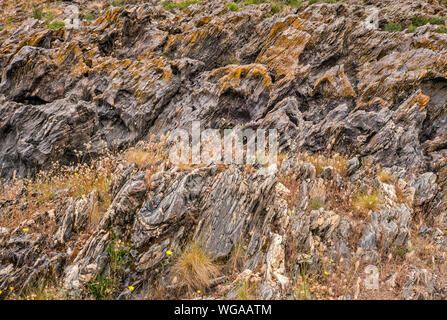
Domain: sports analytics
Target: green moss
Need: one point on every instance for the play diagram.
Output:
(169, 5)
(419, 21)
(89, 17)
(442, 29)
(274, 8)
(248, 2)
(118, 3)
(186, 4)
(400, 252)
(55, 25)
(38, 13)
(412, 28)
(393, 27)
(294, 3)
(436, 20)
(232, 6)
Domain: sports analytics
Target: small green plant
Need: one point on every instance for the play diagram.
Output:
(316, 203)
(442, 29)
(294, 3)
(56, 25)
(274, 8)
(312, 2)
(232, 6)
(37, 13)
(400, 252)
(104, 286)
(89, 17)
(248, 2)
(412, 28)
(436, 20)
(118, 3)
(99, 286)
(419, 21)
(187, 3)
(169, 5)
(393, 27)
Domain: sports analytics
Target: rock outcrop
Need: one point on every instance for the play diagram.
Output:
(330, 77)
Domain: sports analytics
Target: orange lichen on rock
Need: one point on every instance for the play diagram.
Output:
(283, 48)
(231, 75)
(110, 17)
(421, 99)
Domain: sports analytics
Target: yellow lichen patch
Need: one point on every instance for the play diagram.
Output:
(282, 26)
(386, 77)
(36, 38)
(76, 58)
(203, 21)
(339, 84)
(422, 100)
(283, 47)
(110, 17)
(373, 102)
(231, 75)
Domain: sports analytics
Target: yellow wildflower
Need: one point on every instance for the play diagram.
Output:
(325, 272)
(25, 229)
(198, 291)
(11, 288)
(1, 291)
(131, 288)
(169, 252)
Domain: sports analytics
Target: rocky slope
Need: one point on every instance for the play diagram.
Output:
(90, 206)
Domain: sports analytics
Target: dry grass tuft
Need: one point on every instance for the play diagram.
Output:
(237, 259)
(25, 197)
(385, 177)
(336, 161)
(195, 268)
(150, 155)
(139, 157)
(367, 201)
(246, 290)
